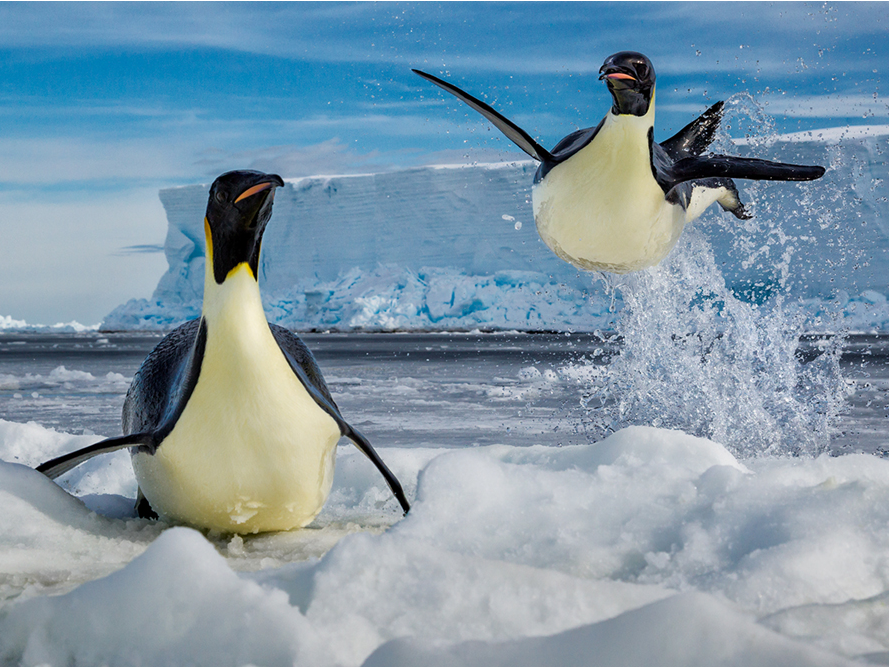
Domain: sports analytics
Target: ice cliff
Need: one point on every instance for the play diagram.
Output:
(455, 247)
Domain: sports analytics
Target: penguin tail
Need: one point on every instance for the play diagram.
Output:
(62, 464)
(364, 445)
(512, 131)
(694, 138)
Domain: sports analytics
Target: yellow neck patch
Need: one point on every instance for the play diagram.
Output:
(209, 238)
(243, 266)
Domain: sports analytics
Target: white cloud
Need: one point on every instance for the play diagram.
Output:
(328, 157)
(429, 33)
(41, 161)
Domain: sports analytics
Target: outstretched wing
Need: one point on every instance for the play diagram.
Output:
(680, 165)
(727, 166)
(512, 131)
(686, 150)
(155, 399)
(62, 464)
(307, 370)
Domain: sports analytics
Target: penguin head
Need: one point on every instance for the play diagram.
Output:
(630, 78)
(239, 208)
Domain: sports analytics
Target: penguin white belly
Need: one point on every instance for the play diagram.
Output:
(601, 209)
(251, 451)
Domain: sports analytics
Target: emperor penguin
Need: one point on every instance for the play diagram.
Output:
(609, 197)
(229, 422)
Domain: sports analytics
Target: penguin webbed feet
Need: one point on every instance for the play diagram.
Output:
(730, 201)
(740, 211)
(143, 508)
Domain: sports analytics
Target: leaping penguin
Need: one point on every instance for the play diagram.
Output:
(610, 198)
(229, 422)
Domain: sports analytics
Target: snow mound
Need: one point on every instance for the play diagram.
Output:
(690, 629)
(650, 547)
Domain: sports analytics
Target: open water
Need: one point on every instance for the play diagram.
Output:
(411, 390)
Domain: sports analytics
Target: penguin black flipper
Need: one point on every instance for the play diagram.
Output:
(303, 364)
(728, 166)
(364, 445)
(61, 464)
(694, 138)
(512, 131)
(680, 166)
(681, 193)
(154, 401)
(165, 380)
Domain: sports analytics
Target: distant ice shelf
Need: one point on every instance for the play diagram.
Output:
(455, 248)
(8, 323)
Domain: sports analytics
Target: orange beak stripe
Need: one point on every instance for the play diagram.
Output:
(252, 191)
(619, 75)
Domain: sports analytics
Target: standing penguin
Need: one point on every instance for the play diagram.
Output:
(610, 198)
(228, 421)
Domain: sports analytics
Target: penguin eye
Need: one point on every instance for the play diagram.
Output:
(220, 197)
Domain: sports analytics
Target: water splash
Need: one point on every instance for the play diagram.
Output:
(694, 357)
(726, 361)
(743, 116)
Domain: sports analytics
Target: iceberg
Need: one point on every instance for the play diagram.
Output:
(455, 248)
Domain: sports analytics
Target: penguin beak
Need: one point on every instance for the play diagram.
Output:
(255, 202)
(249, 192)
(618, 80)
(274, 181)
(617, 75)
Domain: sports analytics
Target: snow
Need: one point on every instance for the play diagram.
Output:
(649, 547)
(456, 248)
(720, 635)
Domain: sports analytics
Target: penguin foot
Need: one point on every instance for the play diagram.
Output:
(731, 200)
(143, 508)
(740, 212)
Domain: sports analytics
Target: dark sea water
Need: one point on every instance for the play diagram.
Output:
(412, 390)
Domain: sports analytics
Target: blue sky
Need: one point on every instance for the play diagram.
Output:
(103, 104)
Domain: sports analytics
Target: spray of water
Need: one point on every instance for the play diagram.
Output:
(694, 357)
(703, 357)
